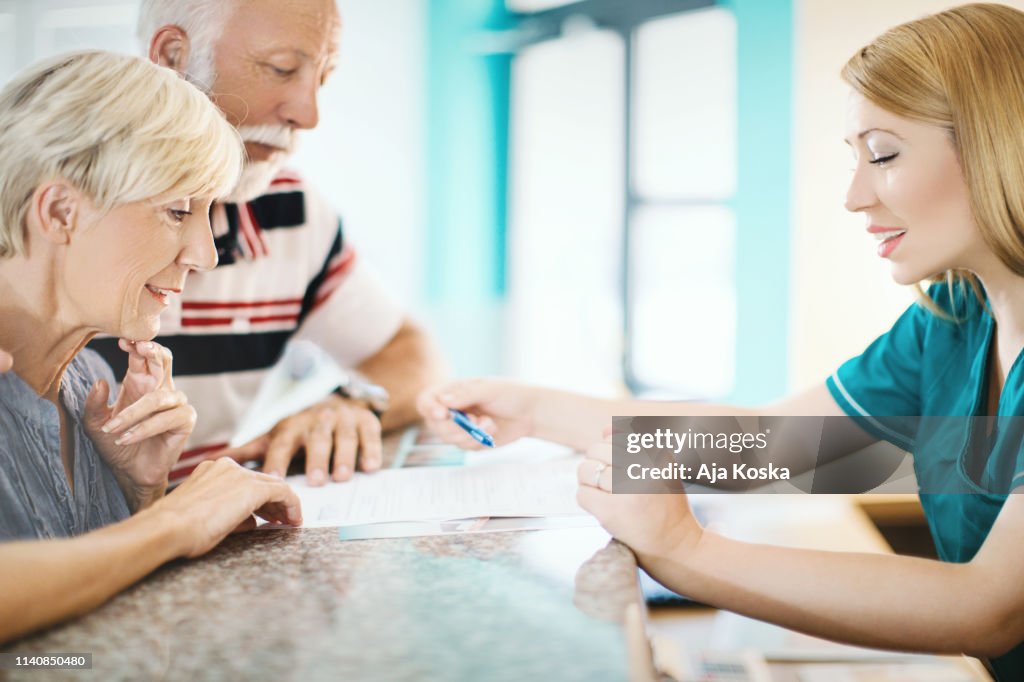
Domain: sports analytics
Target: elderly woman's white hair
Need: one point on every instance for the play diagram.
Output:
(204, 22)
(119, 128)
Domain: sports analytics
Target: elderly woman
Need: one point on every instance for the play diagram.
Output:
(109, 167)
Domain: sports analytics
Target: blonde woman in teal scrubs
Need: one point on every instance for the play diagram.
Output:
(936, 124)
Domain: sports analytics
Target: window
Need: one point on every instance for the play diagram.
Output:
(566, 208)
(7, 41)
(680, 301)
(623, 173)
(30, 31)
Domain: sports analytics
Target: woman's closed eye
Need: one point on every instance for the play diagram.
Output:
(884, 159)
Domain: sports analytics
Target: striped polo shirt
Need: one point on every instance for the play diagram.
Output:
(284, 270)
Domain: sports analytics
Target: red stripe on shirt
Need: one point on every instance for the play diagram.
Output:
(257, 231)
(180, 471)
(342, 262)
(202, 451)
(335, 275)
(286, 175)
(214, 321)
(214, 305)
(248, 229)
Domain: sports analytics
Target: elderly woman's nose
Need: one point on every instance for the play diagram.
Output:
(199, 253)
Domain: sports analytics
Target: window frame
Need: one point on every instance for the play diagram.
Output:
(622, 17)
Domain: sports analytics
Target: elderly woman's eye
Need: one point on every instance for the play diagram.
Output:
(178, 214)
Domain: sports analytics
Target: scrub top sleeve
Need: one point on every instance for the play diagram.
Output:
(1017, 475)
(882, 385)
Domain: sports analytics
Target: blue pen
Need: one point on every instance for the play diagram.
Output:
(460, 418)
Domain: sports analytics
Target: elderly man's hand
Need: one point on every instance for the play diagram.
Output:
(336, 433)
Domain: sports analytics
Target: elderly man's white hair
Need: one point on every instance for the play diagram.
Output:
(202, 20)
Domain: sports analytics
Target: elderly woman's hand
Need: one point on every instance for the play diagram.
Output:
(142, 435)
(221, 497)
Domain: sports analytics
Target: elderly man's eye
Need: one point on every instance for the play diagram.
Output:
(278, 71)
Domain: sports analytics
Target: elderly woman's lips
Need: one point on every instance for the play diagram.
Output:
(159, 294)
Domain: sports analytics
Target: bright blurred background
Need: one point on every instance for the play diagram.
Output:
(607, 195)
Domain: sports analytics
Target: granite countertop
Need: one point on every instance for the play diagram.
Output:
(302, 604)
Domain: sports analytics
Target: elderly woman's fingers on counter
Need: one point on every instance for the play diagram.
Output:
(219, 498)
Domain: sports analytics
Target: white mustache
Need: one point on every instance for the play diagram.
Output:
(278, 136)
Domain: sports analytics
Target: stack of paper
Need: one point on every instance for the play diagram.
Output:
(504, 488)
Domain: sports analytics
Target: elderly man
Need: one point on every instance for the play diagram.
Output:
(286, 269)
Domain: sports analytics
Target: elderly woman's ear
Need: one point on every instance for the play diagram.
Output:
(56, 208)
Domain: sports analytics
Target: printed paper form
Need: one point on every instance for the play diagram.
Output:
(506, 486)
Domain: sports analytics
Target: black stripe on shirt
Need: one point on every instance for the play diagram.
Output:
(205, 354)
(314, 285)
(228, 250)
(273, 211)
(270, 212)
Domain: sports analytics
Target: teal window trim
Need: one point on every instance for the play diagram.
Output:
(763, 202)
(467, 152)
(467, 161)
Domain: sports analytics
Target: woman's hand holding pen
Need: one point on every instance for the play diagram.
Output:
(142, 435)
(503, 409)
(658, 527)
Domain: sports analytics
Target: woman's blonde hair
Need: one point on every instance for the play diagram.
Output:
(119, 128)
(963, 70)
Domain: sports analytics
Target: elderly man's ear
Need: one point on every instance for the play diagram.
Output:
(170, 47)
(56, 208)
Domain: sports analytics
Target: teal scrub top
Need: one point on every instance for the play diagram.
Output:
(932, 367)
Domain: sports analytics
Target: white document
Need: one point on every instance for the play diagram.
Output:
(531, 487)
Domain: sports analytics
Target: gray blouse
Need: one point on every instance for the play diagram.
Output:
(36, 500)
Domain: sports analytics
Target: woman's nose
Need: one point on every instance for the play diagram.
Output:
(199, 253)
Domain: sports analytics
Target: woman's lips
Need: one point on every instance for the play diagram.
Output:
(888, 236)
(161, 295)
(889, 243)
